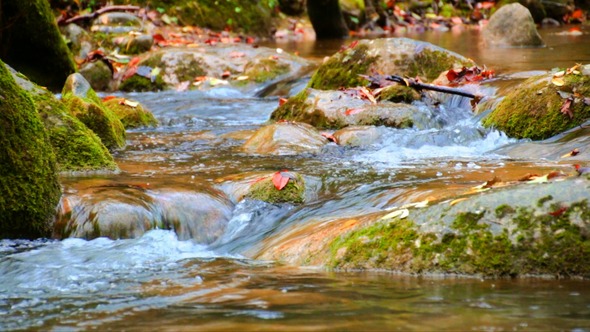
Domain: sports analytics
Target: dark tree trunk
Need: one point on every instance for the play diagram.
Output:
(326, 18)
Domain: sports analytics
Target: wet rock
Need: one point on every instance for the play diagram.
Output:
(534, 108)
(29, 187)
(519, 230)
(399, 56)
(78, 39)
(337, 109)
(116, 22)
(84, 104)
(128, 211)
(357, 135)
(98, 75)
(238, 66)
(265, 190)
(134, 44)
(131, 113)
(77, 148)
(511, 26)
(285, 138)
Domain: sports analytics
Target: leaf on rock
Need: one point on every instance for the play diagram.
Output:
(558, 81)
(352, 111)
(571, 153)
(330, 137)
(279, 180)
(400, 214)
(566, 107)
(559, 211)
(132, 104)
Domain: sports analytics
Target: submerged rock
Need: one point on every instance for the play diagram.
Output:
(527, 229)
(512, 26)
(285, 138)
(337, 109)
(541, 106)
(357, 135)
(29, 188)
(128, 211)
(84, 104)
(77, 148)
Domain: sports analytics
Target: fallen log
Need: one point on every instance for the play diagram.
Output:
(412, 83)
(96, 13)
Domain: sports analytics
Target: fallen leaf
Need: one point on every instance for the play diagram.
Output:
(352, 111)
(107, 98)
(130, 103)
(226, 74)
(571, 153)
(566, 107)
(455, 201)
(558, 81)
(279, 180)
(330, 137)
(400, 214)
(283, 101)
(559, 211)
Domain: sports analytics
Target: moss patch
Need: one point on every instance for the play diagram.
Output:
(131, 117)
(399, 94)
(343, 69)
(265, 70)
(530, 243)
(29, 190)
(265, 190)
(429, 64)
(533, 109)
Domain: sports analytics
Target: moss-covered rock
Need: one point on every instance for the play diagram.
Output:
(533, 109)
(83, 103)
(338, 109)
(98, 74)
(131, 113)
(285, 138)
(399, 94)
(76, 147)
(249, 16)
(31, 43)
(265, 190)
(29, 190)
(530, 229)
(399, 56)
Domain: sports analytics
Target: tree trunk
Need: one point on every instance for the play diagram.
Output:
(326, 18)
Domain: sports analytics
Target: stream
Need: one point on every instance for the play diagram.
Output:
(174, 280)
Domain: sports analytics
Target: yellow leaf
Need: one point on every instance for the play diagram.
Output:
(242, 78)
(130, 103)
(539, 179)
(400, 214)
(455, 201)
(558, 81)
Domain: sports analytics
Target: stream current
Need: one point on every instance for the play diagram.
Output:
(169, 281)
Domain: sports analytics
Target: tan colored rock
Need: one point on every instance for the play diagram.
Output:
(285, 138)
(511, 26)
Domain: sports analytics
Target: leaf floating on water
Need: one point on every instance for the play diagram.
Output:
(571, 153)
(279, 180)
(400, 214)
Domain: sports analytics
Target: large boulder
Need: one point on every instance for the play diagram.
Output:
(512, 26)
(544, 106)
(31, 43)
(338, 109)
(389, 56)
(519, 230)
(84, 104)
(76, 147)
(285, 138)
(239, 66)
(29, 188)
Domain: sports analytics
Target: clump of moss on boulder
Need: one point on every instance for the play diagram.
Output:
(533, 109)
(265, 190)
(132, 114)
(84, 104)
(538, 229)
(29, 188)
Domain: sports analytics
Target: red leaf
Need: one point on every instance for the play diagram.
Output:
(566, 107)
(107, 98)
(279, 180)
(558, 212)
(282, 101)
(352, 111)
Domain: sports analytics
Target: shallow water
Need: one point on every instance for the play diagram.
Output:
(159, 281)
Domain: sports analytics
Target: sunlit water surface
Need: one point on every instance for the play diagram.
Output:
(158, 282)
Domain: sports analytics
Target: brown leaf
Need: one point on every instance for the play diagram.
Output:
(566, 107)
(559, 211)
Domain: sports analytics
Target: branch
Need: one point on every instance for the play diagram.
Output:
(423, 86)
(95, 14)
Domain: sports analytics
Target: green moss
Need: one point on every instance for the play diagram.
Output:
(543, 200)
(399, 94)
(531, 243)
(265, 70)
(429, 64)
(189, 68)
(97, 117)
(298, 109)
(31, 43)
(343, 69)
(131, 117)
(142, 84)
(504, 210)
(265, 191)
(533, 110)
(29, 188)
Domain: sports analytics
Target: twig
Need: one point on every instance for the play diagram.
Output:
(423, 86)
(94, 14)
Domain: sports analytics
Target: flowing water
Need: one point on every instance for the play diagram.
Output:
(180, 280)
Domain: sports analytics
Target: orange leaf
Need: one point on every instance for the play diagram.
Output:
(352, 111)
(107, 98)
(279, 180)
(282, 101)
(558, 212)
